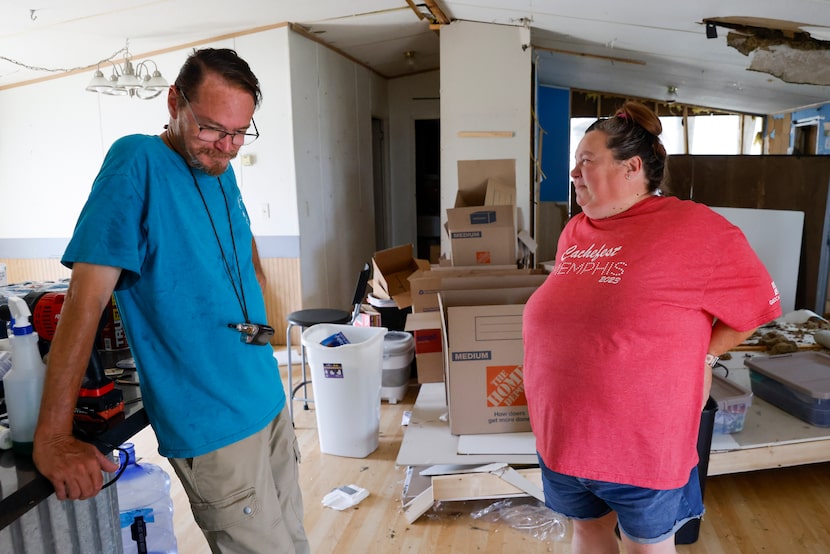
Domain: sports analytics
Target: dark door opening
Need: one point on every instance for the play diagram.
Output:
(806, 139)
(428, 188)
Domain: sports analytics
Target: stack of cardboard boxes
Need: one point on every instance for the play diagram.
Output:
(467, 325)
(482, 225)
(467, 318)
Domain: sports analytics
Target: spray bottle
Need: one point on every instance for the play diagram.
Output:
(23, 384)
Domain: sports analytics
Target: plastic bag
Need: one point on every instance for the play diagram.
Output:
(533, 518)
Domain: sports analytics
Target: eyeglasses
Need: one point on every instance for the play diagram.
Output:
(210, 134)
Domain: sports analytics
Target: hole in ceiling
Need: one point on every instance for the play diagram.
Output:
(796, 53)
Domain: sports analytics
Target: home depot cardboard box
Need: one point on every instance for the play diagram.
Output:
(390, 271)
(483, 233)
(483, 353)
(425, 285)
(429, 350)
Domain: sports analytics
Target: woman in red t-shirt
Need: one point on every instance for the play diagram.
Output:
(619, 341)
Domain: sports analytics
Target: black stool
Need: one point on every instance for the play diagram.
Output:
(315, 316)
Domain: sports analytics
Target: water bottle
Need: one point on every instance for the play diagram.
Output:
(144, 490)
(23, 384)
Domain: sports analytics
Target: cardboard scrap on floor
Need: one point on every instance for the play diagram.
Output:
(497, 480)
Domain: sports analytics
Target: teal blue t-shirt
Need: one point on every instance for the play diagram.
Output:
(201, 386)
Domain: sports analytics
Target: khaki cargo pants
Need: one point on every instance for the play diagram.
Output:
(246, 496)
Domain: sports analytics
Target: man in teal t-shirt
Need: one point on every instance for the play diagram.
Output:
(166, 231)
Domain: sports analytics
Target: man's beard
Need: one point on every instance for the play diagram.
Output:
(215, 169)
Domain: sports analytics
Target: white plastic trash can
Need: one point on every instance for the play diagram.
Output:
(346, 381)
(398, 353)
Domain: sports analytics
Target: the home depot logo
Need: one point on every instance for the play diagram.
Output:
(505, 386)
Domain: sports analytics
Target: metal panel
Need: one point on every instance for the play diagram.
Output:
(76, 527)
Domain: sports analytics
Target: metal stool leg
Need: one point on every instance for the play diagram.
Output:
(293, 389)
(290, 378)
(305, 379)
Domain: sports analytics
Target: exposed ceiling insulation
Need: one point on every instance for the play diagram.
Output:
(793, 52)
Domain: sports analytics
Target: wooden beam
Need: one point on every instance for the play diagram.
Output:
(768, 457)
(586, 55)
(415, 9)
(485, 134)
(437, 12)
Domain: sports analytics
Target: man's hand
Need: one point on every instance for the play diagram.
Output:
(73, 466)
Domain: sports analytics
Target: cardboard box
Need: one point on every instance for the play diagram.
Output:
(391, 269)
(483, 354)
(429, 356)
(482, 235)
(424, 285)
(499, 194)
(482, 226)
(474, 176)
(368, 317)
(430, 367)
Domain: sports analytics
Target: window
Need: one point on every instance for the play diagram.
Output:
(708, 134)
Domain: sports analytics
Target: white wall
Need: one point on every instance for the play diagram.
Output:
(271, 180)
(55, 134)
(333, 101)
(309, 192)
(485, 86)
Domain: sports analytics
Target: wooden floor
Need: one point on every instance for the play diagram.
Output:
(783, 510)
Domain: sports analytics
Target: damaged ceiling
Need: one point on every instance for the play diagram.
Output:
(758, 64)
(788, 50)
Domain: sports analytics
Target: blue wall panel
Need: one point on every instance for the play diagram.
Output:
(554, 112)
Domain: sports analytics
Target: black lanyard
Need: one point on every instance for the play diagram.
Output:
(240, 292)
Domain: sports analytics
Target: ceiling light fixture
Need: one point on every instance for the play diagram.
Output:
(128, 80)
(671, 94)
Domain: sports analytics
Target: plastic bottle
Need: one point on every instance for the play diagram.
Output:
(140, 487)
(23, 384)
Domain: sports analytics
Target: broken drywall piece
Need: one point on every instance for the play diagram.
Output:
(807, 67)
(796, 60)
(519, 481)
(419, 505)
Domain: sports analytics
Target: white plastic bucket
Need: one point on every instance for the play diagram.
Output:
(398, 353)
(346, 382)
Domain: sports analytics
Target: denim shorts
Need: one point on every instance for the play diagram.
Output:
(646, 516)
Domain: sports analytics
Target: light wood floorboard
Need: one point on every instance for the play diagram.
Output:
(783, 510)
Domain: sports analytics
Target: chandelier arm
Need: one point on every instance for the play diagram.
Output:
(128, 79)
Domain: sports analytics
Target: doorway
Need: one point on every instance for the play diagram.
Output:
(805, 140)
(805, 137)
(428, 188)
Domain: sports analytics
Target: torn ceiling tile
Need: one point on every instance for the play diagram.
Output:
(809, 67)
(785, 49)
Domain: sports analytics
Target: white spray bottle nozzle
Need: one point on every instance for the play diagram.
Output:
(21, 314)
